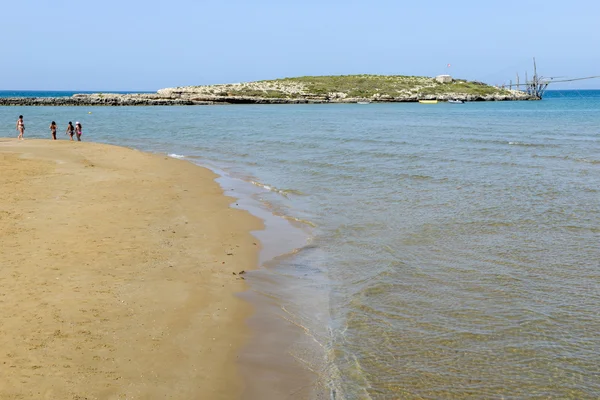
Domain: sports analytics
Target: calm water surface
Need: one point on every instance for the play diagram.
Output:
(452, 251)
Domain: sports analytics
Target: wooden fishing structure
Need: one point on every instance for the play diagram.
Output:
(537, 86)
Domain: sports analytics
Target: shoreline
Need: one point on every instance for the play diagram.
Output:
(281, 358)
(130, 311)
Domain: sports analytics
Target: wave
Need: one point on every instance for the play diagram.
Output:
(300, 220)
(283, 192)
(531, 144)
(510, 143)
(418, 177)
(176, 155)
(569, 158)
(586, 160)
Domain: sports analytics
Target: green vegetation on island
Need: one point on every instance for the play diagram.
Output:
(372, 85)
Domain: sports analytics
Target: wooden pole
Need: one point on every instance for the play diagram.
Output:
(535, 80)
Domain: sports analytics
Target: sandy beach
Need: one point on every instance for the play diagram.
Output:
(117, 275)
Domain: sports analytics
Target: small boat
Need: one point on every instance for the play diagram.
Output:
(453, 101)
(363, 102)
(428, 101)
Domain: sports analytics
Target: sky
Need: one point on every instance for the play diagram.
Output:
(147, 45)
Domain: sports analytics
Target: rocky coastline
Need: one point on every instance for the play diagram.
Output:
(343, 89)
(157, 100)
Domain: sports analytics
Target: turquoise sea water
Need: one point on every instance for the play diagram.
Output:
(448, 251)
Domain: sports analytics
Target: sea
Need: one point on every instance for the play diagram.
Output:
(415, 251)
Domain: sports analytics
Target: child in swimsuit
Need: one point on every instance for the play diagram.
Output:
(78, 131)
(53, 130)
(70, 130)
(20, 127)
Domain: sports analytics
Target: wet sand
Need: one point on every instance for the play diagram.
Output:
(116, 275)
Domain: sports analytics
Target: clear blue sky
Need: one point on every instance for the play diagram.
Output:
(148, 45)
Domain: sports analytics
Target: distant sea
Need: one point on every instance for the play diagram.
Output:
(446, 251)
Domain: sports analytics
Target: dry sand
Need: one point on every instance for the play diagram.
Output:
(116, 275)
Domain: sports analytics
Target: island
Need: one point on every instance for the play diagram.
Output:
(299, 90)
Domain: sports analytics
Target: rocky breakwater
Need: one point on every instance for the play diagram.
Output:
(101, 99)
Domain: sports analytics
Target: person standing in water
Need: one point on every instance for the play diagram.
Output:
(78, 130)
(21, 128)
(53, 130)
(70, 130)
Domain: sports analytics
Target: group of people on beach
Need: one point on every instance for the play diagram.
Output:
(71, 130)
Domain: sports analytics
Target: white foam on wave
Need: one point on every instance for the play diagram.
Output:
(283, 192)
(269, 188)
(531, 144)
(262, 185)
(176, 155)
